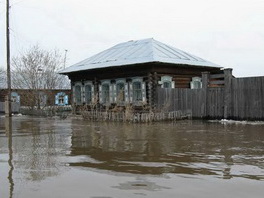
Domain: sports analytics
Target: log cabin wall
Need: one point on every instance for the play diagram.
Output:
(182, 75)
(151, 73)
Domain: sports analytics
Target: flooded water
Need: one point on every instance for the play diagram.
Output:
(44, 157)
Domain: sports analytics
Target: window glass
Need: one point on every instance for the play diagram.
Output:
(61, 99)
(105, 93)
(197, 84)
(78, 94)
(120, 92)
(137, 91)
(167, 84)
(88, 94)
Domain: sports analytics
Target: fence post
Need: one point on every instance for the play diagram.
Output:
(205, 81)
(228, 93)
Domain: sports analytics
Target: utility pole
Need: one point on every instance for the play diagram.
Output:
(65, 57)
(8, 110)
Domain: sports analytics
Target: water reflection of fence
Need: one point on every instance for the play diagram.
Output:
(15, 107)
(46, 111)
(136, 117)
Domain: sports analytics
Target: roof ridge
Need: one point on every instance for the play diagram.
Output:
(153, 54)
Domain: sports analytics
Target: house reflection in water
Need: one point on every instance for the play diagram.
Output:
(162, 148)
(32, 147)
(38, 148)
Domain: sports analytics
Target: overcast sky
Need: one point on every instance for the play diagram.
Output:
(229, 33)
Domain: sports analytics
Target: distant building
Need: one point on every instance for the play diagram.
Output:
(59, 96)
(30, 98)
(130, 72)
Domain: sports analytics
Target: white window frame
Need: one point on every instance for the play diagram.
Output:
(194, 82)
(168, 79)
(143, 90)
(105, 82)
(115, 94)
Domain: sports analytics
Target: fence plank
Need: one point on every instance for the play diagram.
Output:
(244, 100)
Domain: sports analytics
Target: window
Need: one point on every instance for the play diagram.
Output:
(78, 94)
(120, 92)
(137, 91)
(105, 93)
(88, 94)
(61, 99)
(196, 83)
(166, 82)
(15, 97)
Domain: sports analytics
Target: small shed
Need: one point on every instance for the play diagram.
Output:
(130, 72)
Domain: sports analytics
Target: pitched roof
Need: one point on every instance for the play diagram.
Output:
(136, 52)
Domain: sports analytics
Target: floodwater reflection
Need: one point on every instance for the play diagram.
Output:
(186, 147)
(39, 156)
(29, 149)
(8, 130)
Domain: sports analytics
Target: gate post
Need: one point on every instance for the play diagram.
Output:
(228, 93)
(205, 82)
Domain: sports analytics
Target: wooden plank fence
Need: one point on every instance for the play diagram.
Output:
(215, 103)
(192, 100)
(237, 98)
(180, 99)
(248, 98)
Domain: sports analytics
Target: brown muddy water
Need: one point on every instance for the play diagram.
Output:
(72, 158)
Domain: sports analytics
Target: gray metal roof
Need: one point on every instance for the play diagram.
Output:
(136, 52)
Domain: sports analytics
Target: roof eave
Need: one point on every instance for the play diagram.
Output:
(136, 64)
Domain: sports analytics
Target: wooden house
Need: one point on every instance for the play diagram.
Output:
(130, 72)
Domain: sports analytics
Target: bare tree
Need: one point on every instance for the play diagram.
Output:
(36, 70)
(2, 78)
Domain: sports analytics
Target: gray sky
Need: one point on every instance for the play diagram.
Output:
(227, 32)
